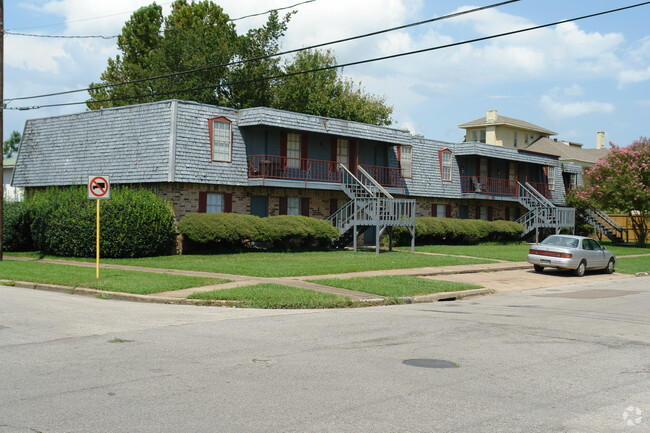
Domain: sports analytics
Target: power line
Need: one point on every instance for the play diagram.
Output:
(355, 63)
(149, 33)
(283, 53)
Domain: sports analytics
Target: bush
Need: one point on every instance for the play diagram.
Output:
(430, 230)
(227, 231)
(17, 233)
(134, 223)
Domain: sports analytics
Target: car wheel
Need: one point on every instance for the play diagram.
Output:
(610, 267)
(580, 270)
(538, 268)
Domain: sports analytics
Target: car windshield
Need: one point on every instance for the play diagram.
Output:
(561, 241)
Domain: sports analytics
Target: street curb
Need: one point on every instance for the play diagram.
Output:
(120, 296)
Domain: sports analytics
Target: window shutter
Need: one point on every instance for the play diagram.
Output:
(283, 206)
(352, 155)
(283, 149)
(304, 145)
(203, 201)
(434, 210)
(227, 202)
(333, 155)
(478, 212)
(490, 213)
(333, 206)
(304, 206)
(507, 214)
(448, 211)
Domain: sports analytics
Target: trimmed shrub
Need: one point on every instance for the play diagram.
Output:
(134, 223)
(17, 233)
(227, 232)
(430, 230)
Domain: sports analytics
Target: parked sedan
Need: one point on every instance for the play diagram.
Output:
(575, 253)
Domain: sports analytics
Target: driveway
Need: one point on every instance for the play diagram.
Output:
(525, 279)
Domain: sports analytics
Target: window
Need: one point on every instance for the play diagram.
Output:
(343, 152)
(463, 211)
(550, 172)
(221, 139)
(573, 180)
(446, 163)
(293, 206)
(406, 161)
(293, 150)
(214, 203)
(515, 138)
(441, 210)
(482, 135)
(484, 213)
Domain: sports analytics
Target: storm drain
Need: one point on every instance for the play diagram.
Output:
(430, 363)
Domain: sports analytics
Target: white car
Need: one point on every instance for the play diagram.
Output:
(575, 253)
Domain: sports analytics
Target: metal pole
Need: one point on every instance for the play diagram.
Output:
(97, 243)
(2, 66)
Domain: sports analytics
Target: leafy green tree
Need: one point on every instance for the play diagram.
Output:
(325, 93)
(199, 35)
(621, 183)
(10, 146)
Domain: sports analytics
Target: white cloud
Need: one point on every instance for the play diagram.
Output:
(41, 55)
(559, 104)
(629, 76)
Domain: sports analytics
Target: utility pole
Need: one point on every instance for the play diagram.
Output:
(2, 113)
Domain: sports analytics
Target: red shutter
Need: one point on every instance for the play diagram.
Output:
(283, 206)
(334, 206)
(283, 149)
(448, 211)
(353, 155)
(304, 141)
(227, 202)
(203, 201)
(304, 206)
(434, 210)
(490, 213)
(507, 214)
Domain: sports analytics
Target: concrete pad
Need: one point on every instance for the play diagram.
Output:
(525, 279)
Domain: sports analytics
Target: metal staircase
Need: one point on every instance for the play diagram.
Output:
(603, 224)
(542, 213)
(370, 205)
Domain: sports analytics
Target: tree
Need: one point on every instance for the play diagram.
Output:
(325, 93)
(10, 146)
(621, 183)
(200, 35)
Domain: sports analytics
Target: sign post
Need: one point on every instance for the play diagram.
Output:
(99, 188)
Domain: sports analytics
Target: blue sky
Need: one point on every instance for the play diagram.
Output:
(575, 79)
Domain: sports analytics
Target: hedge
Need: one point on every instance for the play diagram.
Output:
(134, 223)
(17, 232)
(431, 230)
(226, 231)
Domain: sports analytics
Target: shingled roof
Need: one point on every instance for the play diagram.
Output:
(567, 153)
(507, 121)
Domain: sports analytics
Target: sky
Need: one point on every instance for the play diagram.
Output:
(575, 79)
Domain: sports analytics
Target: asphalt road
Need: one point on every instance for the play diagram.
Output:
(571, 358)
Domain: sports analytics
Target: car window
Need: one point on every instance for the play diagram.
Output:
(590, 244)
(573, 243)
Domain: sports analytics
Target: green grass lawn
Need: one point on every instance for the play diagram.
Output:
(263, 264)
(396, 285)
(276, 296)
(515, 252)
(110, 279)
(632, 265)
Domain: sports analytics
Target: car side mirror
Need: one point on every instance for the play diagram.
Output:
(603, 248)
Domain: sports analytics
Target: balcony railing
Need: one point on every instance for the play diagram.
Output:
(283, 167)
(496, 186)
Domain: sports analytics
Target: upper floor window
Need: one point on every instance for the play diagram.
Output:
(445, 164)
(514, 141)
(406, 161)
(343, 152)
(550, 173)
(221, 139)
(293, 150)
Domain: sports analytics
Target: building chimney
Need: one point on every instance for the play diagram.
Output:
(600, 140)
(491, 116)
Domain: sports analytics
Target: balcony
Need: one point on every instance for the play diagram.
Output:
(496, 186)
(305, 169)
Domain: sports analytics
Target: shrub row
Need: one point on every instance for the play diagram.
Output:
(430, 230)
(62, 221)
(227, 231)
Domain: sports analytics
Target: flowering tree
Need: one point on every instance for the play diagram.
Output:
(621, 182)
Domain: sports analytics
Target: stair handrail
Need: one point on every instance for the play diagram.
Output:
(358, 182)
(374, 182)
(602, 215)
(533, 193)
